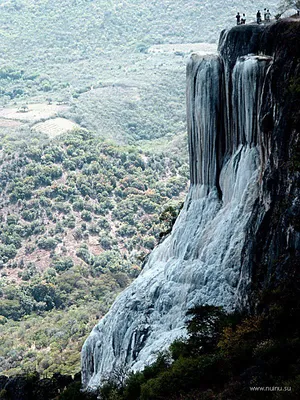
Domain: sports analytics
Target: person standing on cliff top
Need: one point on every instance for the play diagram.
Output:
(258, 17)
(238, 18)
(265, 14)
(243, 19)
(268, 16)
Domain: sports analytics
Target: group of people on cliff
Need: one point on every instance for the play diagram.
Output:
(267, 16)
(241, 19)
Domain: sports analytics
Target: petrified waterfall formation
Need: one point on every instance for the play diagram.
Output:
(234, 121)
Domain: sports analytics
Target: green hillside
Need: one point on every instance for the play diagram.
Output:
(95, 56)
(93, 162)
(78, 217)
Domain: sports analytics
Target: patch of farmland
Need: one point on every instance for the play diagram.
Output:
(54, 127)
(9, 123)
(186, 48)
(32, 112)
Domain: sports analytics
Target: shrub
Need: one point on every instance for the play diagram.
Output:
(11, 309)
(149, 242)
(73, 392)
(86, 215)
(47, 243)
(7, 252)
(63, 264)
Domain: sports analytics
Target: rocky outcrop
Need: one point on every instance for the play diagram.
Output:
(239, 227)
(276, 242)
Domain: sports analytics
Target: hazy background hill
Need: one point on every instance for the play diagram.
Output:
(94, 56)
(78, 212)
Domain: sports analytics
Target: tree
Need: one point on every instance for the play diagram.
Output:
(7, 252)
(205, 326)
(47, 243)
(63, 264)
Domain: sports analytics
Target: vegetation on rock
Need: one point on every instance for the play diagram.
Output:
(227, 355)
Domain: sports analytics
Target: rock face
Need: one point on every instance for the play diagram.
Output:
(242, 210)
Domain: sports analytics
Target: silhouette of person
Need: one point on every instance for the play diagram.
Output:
(258, 17)
(243, 19)
(238, 18)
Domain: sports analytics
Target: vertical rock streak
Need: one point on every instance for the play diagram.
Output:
(201, 261)
(248, 75)
(203, 108)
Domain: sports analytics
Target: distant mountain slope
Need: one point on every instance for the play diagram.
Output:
(93, 54)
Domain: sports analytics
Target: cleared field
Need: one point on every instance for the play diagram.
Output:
(54, 127)
(9, 123)
(186, 48)
(33, 113)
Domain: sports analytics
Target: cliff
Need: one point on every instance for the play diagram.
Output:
(239, 229)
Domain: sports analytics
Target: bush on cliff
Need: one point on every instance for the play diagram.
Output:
(225, 355)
